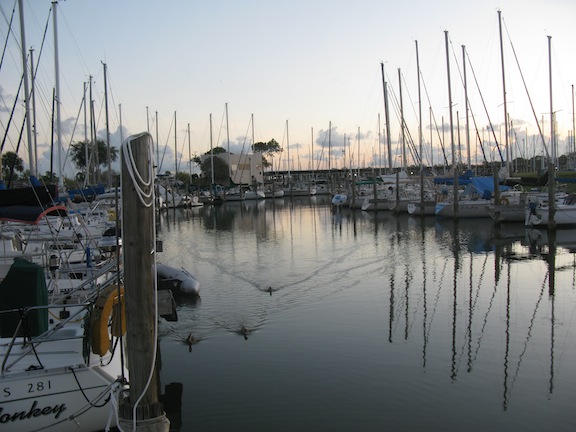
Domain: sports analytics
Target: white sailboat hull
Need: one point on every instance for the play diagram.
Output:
(466, 209)
(254, 195)
(417, 208)
(72, 399)
(278, 193)
(300, 191)
(51, 387)
(565, 215)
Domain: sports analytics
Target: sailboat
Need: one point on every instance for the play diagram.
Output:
(61, 350)
(61, 363)
(213, 196)
(424, 202)
(552, 214)
(296, 188)
(476, 200)
(539, 214)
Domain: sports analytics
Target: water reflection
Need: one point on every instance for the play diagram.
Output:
(371, 304)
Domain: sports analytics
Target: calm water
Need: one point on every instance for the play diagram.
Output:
(375, 322)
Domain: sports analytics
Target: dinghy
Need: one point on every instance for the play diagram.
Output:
(179, 281)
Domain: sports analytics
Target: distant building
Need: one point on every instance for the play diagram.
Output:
(571, 165)
(244, 168)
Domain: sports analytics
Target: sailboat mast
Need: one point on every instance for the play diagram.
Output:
(157, 145)
(506, 131)
(228, 142)
(552, 133)
(57, 95)
(466, 108)
(227, 129)
(329, 145)
(450, 100)
(419, 110)
(402, 129)
(26, 88)
(211, 157)
(86, 154)
(252, 124)
(573, 149)
(573, 123)
(431, 139)
(454, 166)
(85, 88)
(358, 145)
(107, 125)
(420, 131)
(379, 146)
(387, 118)
(34, 134)
(312, 148)
(175, 148)
(189, 156)
(147, 120)
(120, 122)
(552, 163)
(288, 147)
(90, 161)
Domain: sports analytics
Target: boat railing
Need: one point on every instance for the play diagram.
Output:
(53, 334)
(94, 281)
(71, 302)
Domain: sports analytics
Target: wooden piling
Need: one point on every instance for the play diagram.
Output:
(139, 286)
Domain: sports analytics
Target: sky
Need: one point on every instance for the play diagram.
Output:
(305, 73)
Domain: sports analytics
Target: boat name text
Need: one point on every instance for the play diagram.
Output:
(34, 411)
(35, 387)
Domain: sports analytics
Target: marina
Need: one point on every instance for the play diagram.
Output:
(404, 258)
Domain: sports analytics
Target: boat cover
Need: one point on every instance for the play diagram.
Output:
(24, 286)
(29, 196)
(30, 214)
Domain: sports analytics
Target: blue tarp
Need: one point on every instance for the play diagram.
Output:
(483, 186)
(90, 191)
(463, 179)
(565, 180)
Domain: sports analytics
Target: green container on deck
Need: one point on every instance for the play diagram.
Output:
(24, 286)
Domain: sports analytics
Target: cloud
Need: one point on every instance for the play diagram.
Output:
(7, 99)
(68, 127)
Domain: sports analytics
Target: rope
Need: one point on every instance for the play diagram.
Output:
(146, 198)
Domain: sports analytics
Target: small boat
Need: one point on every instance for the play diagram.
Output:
(299, 189)
(564, 214)
(322, 187)
(273, 190)
(178, 280)
(516, 212)
(278, 193)
(339, 199)
(476, 200)
(252, 194)
(384, 196)
(232, 194)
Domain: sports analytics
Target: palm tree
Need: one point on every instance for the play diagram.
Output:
(11, 162)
